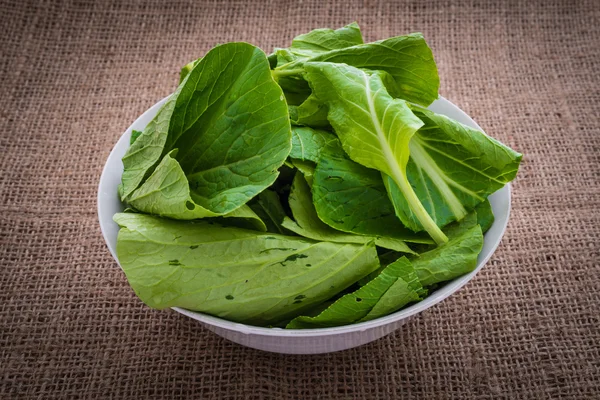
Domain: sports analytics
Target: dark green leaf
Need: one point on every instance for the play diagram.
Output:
(454, 258)
(309, 225)
(485, 215)
(352, 198)
(268, 207)
(229, 121)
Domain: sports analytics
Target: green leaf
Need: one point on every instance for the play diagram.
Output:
(358, 305)
(319, 41)
(309, 225)
(134, 135)
(229, 121)
(272, 58)
(305, 46)
(449, 261)
(294, 100)
(187, 69)
(146, 151)
(311, 112)
(456, 257)
(307, 168)
(386, 257)
(452, 168)
(268, 207)
(485, 215)
(166, 193)
(241, 275)
(374, 128)
(405, 290)
(407, 59)
(352, 198)
(243, 217)
(308, 143)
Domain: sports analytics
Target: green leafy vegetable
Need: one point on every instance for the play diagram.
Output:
(187, 69)
(374, 128)
(134, 135)
(281, 191)
(407, 59)
(454, 258)
(319, 41)
(309, 225)
(307, 146)
(406, 289)
(308, 143)
(352, 198)
(304, 47)
(311, 112)
(166, 193)
(485, 215)
(268, 207)
(307, 168)
(229, 121)
(452, 168)
(241, 275)
(359, 304)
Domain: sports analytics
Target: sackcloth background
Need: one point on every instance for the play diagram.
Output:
(75, 74)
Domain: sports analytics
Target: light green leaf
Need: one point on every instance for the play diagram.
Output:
(229, 121)
(313, 112)
(407, 59)
(268, 207)
(307, 146)
(308, 143)
(452, 168)
(305, 46)
(310, 111)
(456, 257)
(352, 198)
(243, 217)
(385, 259)
(309, 225)
(241, 275)
(357, 305)
(166, 193)
(405, 290)
(147, 150)
(319, 41)
(134, 135)
(187, 69)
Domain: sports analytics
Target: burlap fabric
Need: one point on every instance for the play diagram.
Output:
(74, 75)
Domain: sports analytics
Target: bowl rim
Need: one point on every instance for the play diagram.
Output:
(436, 297)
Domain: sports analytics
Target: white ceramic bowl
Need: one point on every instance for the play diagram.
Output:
(301, 341)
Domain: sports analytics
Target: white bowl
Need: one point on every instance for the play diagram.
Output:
(301, 341)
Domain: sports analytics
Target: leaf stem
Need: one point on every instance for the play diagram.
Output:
(277, 73)
(420, 212)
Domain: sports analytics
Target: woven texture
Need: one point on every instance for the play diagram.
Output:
(74, 75)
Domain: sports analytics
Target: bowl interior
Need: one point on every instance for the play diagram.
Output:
(109, 204)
